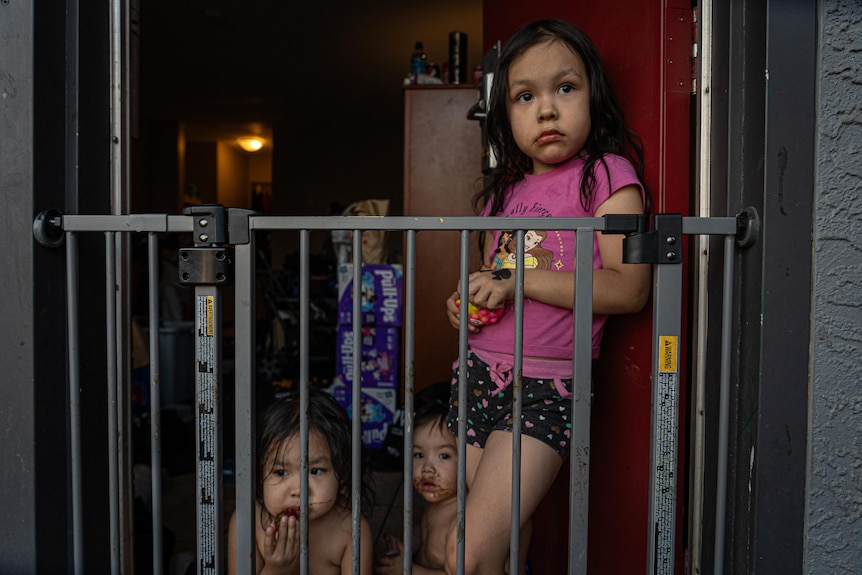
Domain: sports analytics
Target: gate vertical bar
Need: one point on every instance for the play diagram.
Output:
(517, 405)
(119, 102)
(303, 477)
(724, 407)
(209, 464)
(409, 390)
(244, 394)
(74, 400)
(155, 402)
(356, 408)
(581, 404)
(113, 431)
(462, 402)
(119, 190)
(664, 420)
(304, 380)
(207, 266)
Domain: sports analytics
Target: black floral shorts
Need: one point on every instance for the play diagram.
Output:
(545, 414)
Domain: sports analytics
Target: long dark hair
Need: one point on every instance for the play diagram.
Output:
(608, 132)
(279, 423)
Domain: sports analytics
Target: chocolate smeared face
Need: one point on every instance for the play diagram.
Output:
(435, 461)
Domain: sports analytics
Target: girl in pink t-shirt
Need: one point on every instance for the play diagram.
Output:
(563, 150)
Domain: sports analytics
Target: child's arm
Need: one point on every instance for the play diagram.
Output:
(231, 549)
(420, 570)
(392, 561)
(366, 551)
(617, 287)
(394, 564)
(231, 545)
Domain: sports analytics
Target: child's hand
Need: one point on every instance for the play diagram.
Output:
(390, 562)
(453, 311)
(490, 289)
(281, 547)
(480, 316)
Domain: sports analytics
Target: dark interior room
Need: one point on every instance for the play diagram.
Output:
(322, 87)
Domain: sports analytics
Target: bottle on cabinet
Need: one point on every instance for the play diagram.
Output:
(418, 63)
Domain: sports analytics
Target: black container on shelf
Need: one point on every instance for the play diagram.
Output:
(457, 58)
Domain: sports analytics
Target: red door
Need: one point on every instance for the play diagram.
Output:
(646, 46)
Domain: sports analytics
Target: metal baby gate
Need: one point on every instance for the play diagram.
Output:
(224, 253)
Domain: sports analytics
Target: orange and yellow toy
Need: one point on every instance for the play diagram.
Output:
(480, 316)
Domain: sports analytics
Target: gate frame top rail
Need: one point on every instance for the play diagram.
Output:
(744, 226)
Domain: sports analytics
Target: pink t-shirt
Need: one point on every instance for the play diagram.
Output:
(548, 329)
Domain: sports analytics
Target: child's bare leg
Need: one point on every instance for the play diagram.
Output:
(488, 506)
(526, 535)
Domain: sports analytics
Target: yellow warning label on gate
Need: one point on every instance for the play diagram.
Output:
(667, 345)
(209, 315)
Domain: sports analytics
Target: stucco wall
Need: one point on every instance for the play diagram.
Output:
(834, 544)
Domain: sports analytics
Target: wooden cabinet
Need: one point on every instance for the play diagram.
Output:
(442, 172)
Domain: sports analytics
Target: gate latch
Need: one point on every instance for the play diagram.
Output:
(208, 263)
(661, 245)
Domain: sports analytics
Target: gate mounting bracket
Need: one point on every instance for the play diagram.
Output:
(207, 263)
(661, 245)
(747, 227)
(47, 228)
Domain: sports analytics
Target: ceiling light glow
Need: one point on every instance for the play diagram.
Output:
(250, 143)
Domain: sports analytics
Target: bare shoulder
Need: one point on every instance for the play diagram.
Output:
(330, 544)
(341, 527)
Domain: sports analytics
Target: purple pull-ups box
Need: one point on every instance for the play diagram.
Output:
(382, 302)
(378, 362)
(377, 407)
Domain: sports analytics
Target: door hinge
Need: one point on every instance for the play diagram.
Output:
(695, 49)
(680, 50)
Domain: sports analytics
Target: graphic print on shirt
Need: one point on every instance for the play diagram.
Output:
(535, 256)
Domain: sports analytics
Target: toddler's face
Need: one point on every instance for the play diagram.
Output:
(548, 101)
(281, 485)
(435, 463)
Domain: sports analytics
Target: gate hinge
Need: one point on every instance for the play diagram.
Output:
(661, 245)
(208, 263)
(628, 224)
(216, 224)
